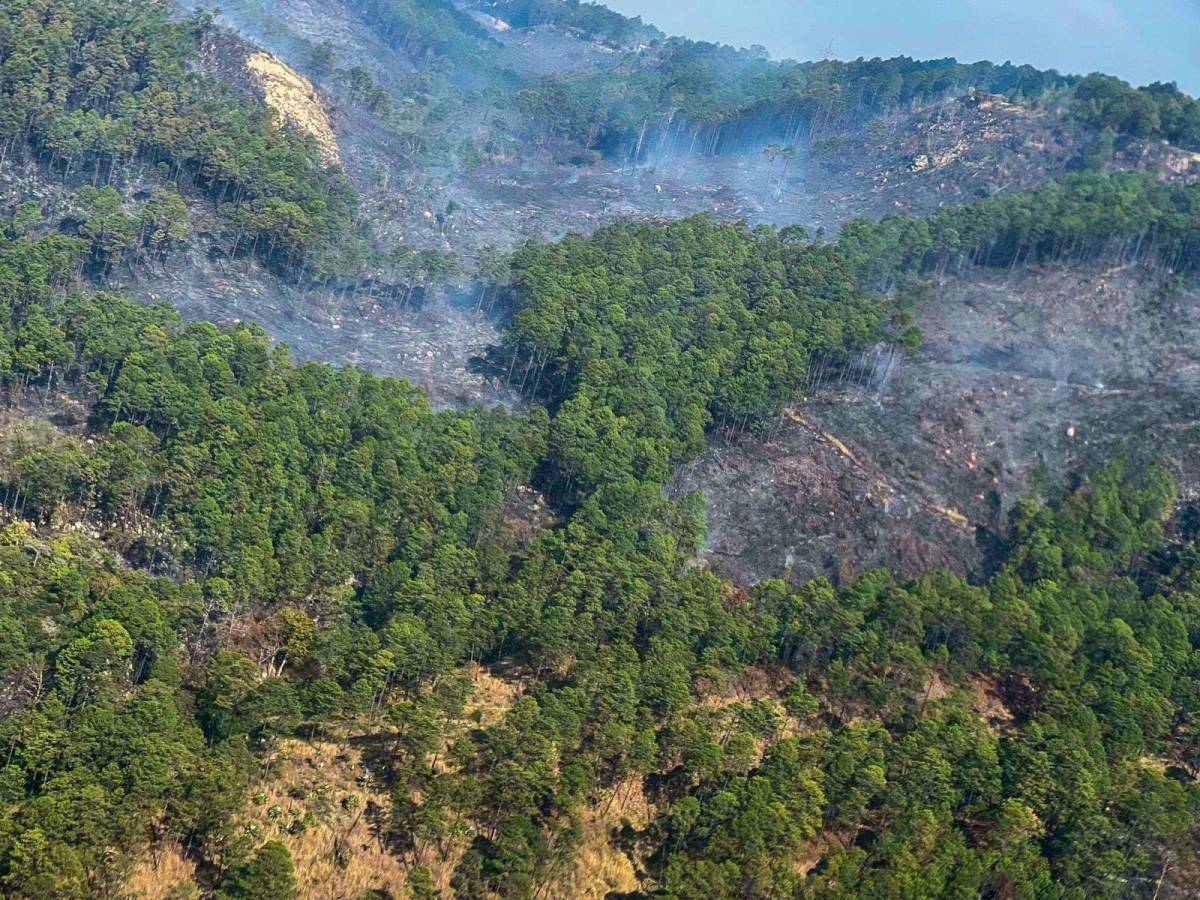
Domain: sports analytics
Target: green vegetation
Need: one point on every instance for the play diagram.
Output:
(592, 19)
(270, 471)
(269, 876)
(102, 89)
(292, 551)
(642, 335)
(424, 28)
(708, 96)
(727, 98)
(207, 550)
(904, 777)
(697, 87)
(1082, 218)
(1157, 111)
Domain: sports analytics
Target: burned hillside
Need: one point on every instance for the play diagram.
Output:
(1024, 378)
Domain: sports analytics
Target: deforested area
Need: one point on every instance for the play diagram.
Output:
(496, 449)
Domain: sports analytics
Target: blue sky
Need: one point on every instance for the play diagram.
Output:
(1139, 40)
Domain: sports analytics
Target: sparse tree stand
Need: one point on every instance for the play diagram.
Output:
(164, 222)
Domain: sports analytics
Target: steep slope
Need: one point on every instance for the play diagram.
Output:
(1023, 378)
(429, 122)
(565, 121)
(304, 691)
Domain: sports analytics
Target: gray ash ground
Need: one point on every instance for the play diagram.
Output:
(948, 153)
(1024, 371)
(1024, 376)
(917, 159)
(429, 346)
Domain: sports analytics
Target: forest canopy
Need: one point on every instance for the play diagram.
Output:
(647, 334)
(725, 97)
(288, 551)
(219, 565)
(100, 86)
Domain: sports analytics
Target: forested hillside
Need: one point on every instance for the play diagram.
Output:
(271, 628)
(159, 137)
(107, 89)
(213, 552)
(727, 98)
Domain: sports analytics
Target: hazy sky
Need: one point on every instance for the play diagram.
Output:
(1140, 40)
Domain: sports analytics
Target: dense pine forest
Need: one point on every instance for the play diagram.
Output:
(270, 550)
(219, 563)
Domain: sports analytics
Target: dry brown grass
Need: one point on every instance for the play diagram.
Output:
(158, 872)
(310, 782)
(599, 867)
(338, 854)
(990, 703)
(295, 99)
(936, 689)
(812, 854)
(492, 696)
(764, 684)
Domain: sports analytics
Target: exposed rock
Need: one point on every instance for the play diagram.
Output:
(295, 99)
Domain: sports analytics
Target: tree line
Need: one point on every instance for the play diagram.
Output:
(99, 91)
(592, 19)
(1083, 218)
(725, 99)
(290, 550)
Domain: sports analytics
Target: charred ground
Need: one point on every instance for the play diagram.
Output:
(1024, 378)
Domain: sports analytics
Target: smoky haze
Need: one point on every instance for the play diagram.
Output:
(1139, 40)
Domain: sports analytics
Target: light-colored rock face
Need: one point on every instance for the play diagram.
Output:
(490, 21)
(295, 99)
